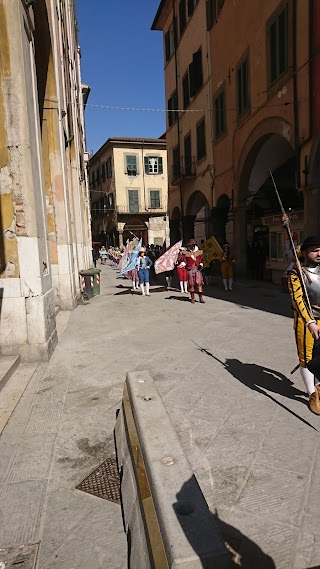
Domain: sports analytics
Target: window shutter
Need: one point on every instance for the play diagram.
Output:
(160, 165)
(192, 80)
(175, 32)
(167, 45)
(209, 14)
(125, 164)
(146, 165)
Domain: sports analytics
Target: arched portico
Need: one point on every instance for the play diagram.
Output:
(269, 147)
(197, 219)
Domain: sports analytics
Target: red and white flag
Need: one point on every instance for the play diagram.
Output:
(168, 260)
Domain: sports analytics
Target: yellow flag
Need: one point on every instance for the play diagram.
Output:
(211, 251)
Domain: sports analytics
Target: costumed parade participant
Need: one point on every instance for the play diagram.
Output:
(135, 279)
(306, 305)
(227, 259)
(194, 265)
(143, 266)
(182, 271)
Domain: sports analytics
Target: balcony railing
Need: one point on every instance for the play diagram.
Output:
(185, 168)
(139, 210)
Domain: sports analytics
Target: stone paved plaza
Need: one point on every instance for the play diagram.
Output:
(223, 370)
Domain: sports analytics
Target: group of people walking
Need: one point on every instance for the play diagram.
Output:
(303, 284)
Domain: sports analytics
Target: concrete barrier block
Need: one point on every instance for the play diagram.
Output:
(179, 530)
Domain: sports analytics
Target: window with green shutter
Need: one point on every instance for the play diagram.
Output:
(131, 165)
(176, 162)
(242, 87)
(182, 16)
(185, 90)
(187, 155)
(278, 45)
(169, 41)
(195, 73)
(153, 165)
(201, 140)
(219, 114)
(133, 199)
(173, 109)
(191, 4)
(109, 167)
(155, 202)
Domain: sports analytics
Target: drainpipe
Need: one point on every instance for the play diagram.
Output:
(295, 91)
(178, 119)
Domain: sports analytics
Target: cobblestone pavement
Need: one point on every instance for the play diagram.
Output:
(223, 369)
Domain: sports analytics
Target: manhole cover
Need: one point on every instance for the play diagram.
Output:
(103, 482)
(19, 557)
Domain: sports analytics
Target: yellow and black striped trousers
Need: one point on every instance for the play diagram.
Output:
(304, 340)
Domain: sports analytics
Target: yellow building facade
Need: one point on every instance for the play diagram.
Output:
(44, 202)
(129, 191)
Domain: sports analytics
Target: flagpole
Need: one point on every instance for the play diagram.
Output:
(286, 224)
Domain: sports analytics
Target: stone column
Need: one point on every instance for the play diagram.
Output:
(311, 211)
(239, 245)
(120, 231)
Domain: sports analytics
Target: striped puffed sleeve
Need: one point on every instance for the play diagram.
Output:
(298, 302)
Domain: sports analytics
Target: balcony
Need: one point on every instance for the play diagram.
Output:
(184, 169)
(138, 210)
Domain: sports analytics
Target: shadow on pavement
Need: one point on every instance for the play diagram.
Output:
(183, 298)
(259, 379)
(191, 509)
(251, 295)
(128, 290)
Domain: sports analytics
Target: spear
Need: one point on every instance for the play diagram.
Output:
(286, 224)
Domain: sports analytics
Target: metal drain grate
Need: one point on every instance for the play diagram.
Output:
(103, 482)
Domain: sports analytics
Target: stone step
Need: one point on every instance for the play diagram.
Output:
(8, 364)
(12, 392)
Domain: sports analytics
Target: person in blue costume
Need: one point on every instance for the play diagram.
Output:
(143, 265)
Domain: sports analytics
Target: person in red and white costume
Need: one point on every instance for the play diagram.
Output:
(194, 265)
(182, 271)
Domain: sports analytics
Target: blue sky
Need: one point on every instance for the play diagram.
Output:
(122, 61)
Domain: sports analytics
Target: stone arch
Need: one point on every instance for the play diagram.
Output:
(269, 146)
(197, 217)
(220, 217)
(137, 227)
(270, 133)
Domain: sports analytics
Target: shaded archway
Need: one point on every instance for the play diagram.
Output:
(197, 217)
(135, 227)
(255, 196)
(312, 189)
(220, 218)
(175, 226)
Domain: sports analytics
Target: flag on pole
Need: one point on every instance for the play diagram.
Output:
(125, 257)
(211, 251)
(168, 260)
(133, 259)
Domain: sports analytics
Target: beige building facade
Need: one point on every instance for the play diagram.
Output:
(44, 202)
(129, 191)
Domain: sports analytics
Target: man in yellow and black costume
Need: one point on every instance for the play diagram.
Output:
(306, 323)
